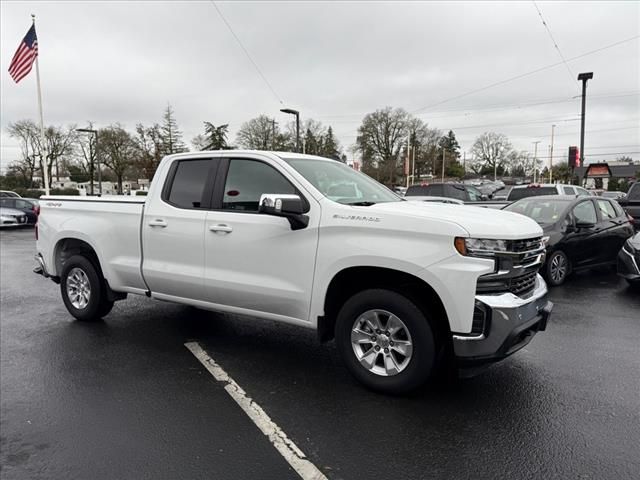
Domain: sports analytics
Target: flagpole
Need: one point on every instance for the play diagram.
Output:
(43, 154)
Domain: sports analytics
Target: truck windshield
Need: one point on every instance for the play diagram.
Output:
(342, 184)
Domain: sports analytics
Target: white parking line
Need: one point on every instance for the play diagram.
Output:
(291, 453)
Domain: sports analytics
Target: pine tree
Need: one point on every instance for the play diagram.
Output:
(170, 133)
(330, 148)
(450, 144)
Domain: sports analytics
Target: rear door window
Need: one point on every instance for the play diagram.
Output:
(518, 193)
(634, 192)
(188, 184)
(454, 191)
(568, 191)
(424, 191)
(607, 212)
(475, 195)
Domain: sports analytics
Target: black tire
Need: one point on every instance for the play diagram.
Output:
(98, 304)
(422, 362)
(558, 268)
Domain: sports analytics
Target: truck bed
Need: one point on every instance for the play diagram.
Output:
(110, 224)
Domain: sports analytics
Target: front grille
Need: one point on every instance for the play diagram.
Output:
(523, 285)
(528, 244)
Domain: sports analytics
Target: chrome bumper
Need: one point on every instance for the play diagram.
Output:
(510, 322)
(41, 268)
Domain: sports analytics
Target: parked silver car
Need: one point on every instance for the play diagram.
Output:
(10, 217)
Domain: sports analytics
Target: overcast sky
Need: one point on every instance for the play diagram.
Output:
(124, 61)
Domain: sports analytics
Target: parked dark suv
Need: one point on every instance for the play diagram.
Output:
(459, 191)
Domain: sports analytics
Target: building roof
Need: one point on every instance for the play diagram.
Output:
(617, 171)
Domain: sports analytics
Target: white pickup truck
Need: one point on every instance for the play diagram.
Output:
(405, 288)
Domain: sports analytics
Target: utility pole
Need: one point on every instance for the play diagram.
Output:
(443, 162)
(408, 164)
(584, 77)
(413, 167)
(535, 159)
(464, 163)
(273, 134)
(553, 128)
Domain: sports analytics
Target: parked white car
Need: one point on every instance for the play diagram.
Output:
(405, 288)
(538, 189)
(10, 217)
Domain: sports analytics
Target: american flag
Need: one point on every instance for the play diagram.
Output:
(24, 56)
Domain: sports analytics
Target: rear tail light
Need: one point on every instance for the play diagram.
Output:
(632, 220)
(36, 209)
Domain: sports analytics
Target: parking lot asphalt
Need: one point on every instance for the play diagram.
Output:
(125, 399)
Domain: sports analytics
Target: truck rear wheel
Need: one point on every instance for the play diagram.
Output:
(386, 341)
(83, 290)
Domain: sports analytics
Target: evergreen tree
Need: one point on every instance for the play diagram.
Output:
(214, 138)
(450, 144)
(330, 148)
(170, 133)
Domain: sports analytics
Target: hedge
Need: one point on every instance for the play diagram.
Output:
(33, 193)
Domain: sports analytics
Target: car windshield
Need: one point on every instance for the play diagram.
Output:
(542, 210)
(341, 183)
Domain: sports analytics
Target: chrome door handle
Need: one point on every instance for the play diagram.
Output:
(220, 227)
(158, 222)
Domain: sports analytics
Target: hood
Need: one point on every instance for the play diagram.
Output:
(479, 222)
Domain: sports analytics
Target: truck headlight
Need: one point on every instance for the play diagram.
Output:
(479, 247)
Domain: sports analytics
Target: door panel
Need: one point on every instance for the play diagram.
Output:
(582, 243)
(255, 261)
(173, 230)
(614, 230)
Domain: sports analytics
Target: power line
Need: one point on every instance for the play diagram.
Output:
(522, 75)
(492, 107)
(246, 52)
(557, 135)
(555, 44)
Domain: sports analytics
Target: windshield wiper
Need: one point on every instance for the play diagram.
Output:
(361, 204)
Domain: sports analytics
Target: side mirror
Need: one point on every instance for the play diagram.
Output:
(484, 197)
(583, 224)
(290, 207)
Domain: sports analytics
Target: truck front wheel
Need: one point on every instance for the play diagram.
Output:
(83, 290)
(386, 341)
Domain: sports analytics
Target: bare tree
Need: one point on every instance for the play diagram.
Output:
(59, 145)
(117, 150)
(381, 136)
(261, 133)
(26, 132)
(491, 153)
(149, 150)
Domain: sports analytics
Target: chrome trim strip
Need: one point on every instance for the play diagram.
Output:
(633, 259)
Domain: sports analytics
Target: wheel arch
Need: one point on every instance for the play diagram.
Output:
(66, 247)
(352, 280)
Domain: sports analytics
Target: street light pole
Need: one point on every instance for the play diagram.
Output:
(535, 159)
(94, 132)
(584, 77)
(553, 128)
(297, 114)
